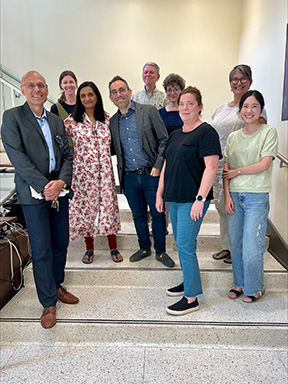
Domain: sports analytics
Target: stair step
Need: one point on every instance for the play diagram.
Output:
(160, 278)
(102, 259)
(211, 215)
(128, 307)
(145, 333)
(130, 241)
(205, 242)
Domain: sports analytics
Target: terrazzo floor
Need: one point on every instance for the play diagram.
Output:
(141, 365)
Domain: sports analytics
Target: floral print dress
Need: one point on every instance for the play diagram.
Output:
(94, 207)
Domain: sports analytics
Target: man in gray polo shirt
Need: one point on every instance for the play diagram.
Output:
(138, 140)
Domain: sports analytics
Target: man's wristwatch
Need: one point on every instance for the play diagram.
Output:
(239, 171)
(200, 198)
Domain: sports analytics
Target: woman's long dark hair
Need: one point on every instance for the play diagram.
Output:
(99, 112)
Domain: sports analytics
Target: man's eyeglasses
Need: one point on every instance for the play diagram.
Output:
(170, 90)
(235, 80)
(120, 91)
(31, 86)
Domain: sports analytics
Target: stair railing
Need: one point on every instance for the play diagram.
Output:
(14, 84)
(283, 161)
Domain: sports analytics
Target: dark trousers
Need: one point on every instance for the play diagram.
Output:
(49, 238)
(135, 187)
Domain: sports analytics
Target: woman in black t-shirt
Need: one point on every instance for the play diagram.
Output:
(67, 101)
(191, 162)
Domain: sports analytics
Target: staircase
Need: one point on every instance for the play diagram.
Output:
(121, 322)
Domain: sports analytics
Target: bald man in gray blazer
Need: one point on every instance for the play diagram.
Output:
(36, 144)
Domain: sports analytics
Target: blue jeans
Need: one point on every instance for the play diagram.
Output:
(135, 187)
(247, 230)
(185, 232)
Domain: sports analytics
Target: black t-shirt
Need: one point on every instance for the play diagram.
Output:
(184, 154)
(68, 108)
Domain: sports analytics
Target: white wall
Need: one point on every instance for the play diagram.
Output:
(98, 39)
(262, 45)
(199, 39)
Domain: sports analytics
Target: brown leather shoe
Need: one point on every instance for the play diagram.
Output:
(48, 318)
(66, 297)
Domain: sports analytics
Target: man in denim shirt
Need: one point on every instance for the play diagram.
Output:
(138, 140)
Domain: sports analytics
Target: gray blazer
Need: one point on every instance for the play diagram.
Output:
(28, 152)
(152, 135)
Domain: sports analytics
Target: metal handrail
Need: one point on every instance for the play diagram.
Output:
(7, 197)
(283, 161)
(9, 75)
(11, 86)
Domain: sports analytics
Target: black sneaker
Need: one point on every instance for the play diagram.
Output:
(182, 307)
(176, 291)
(165, 259)
(139, 255)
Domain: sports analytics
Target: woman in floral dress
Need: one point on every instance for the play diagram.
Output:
(94, 208)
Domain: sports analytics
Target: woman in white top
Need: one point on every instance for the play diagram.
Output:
(225, 120)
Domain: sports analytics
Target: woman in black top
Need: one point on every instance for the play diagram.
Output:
(173, 85)
(191, 161)
(67, 101)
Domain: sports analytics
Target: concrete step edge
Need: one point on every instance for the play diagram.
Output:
(145, 334)
(160, 278)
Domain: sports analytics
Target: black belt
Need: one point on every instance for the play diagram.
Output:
(141, 171)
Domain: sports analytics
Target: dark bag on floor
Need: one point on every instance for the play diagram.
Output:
(14, 207)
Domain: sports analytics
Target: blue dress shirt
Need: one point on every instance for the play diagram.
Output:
(44, 125)
(134, 157)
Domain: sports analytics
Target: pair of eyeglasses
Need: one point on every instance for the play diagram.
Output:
(236, 80)
(114, 92)
(32, 85)
(170, 90)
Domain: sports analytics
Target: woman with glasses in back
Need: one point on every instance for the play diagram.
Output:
(173, 85)
(94, 208)
(226, 119)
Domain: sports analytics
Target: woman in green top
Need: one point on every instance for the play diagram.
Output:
(247, 179)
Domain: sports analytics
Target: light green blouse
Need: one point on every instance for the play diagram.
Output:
(242, 150)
